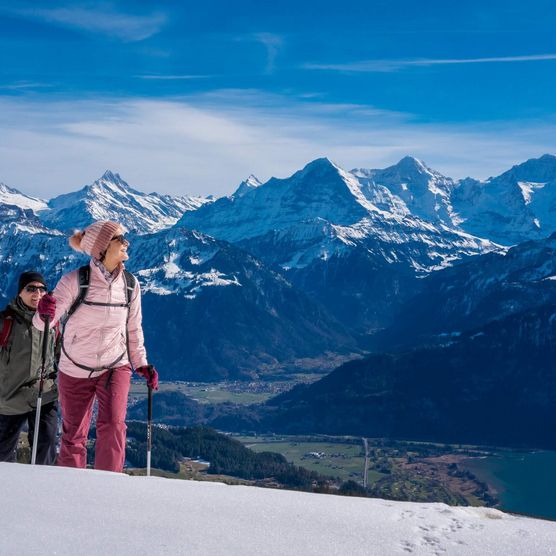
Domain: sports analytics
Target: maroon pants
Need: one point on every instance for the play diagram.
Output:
(76, 399)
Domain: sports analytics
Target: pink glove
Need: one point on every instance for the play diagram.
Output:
(47, 306)
(149, 373)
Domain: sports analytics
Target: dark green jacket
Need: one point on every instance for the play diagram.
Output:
(20, 364)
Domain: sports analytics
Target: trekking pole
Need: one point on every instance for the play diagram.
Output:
(149, 429)
(41, 385)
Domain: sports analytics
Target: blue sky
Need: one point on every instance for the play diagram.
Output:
(181, 97)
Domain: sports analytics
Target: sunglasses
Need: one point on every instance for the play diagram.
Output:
(33, 289)
(121, 238)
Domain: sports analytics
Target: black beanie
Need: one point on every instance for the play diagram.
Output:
(28, 277)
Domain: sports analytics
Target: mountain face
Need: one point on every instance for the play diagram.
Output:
(25, 244)
(13, 197)
(495, 385)
(321, 189)
(410, 188)
(111, 198)
(475, 292)
(362, 273)
(518, 205)
(326, 233)
(215, 312)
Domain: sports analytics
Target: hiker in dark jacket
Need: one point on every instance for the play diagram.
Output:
(20, 368)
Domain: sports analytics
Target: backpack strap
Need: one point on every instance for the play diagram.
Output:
(130, 282)
(84, 276)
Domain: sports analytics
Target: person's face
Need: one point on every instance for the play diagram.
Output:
(31, 294)
(117, 250)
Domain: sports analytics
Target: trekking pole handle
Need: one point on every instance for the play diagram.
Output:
(44, 351)
(45, 338)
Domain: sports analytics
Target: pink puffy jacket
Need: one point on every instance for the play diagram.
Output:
(94, 335)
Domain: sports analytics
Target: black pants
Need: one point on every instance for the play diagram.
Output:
(11, 426)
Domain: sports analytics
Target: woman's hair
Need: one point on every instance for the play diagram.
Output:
(75, 240)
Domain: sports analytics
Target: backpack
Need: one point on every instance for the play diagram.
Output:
(84, 276)
(8, 316)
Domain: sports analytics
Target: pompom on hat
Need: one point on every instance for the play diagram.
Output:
(95, 239)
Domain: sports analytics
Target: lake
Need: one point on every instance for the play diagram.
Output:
(525, 482)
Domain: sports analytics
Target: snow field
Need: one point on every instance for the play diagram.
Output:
(50, 510)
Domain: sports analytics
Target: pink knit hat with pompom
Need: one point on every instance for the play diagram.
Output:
(95, 239)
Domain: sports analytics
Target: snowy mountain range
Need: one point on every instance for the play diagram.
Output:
(350, 248)
(111, 198)
(333, 239)
(518, 205)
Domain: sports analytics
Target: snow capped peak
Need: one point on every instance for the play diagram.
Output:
(110, 176)
(410, 167)
(539, 170)
(514, 206)
(11, 196)
(110, 180)
(252, 182)
(409, 187)
(111, 198)
(5, 189)
(323, 164)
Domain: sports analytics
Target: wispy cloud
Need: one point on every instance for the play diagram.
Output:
(173, 77)
(24, 86)
(385, 65)
(100, 18)
(272, 43)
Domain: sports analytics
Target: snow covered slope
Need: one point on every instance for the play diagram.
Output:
(111, 198)
(410, 188)
(95, 512)
(518, 205)
(10, 196)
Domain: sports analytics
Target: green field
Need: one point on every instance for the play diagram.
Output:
(336, 459)
(204, 393)
(243, 393)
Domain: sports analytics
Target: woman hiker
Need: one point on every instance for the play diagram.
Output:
(20, 370)
(101, 343)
